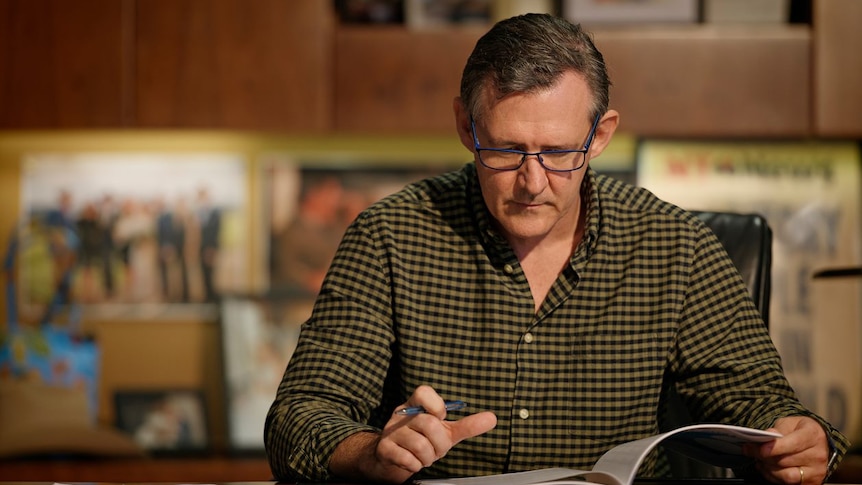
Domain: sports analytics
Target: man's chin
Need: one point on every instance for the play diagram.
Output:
(524, 232)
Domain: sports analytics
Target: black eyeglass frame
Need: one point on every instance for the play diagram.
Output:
(538, 155)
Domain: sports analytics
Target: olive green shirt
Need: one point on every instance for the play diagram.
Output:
(424, 290)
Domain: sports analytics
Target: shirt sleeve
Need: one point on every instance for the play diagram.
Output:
(334, 381)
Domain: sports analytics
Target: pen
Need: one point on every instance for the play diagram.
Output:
(413, 410)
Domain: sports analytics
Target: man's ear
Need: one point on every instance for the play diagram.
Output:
(604, 132)
(462, 123)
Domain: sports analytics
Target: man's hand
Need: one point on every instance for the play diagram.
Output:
(799, 457)
(407, 443)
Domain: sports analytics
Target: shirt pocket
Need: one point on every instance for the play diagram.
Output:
(616, 383)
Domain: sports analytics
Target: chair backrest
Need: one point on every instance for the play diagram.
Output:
(747, 239)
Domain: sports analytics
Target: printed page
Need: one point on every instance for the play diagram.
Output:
(715, 444)
(718, 445)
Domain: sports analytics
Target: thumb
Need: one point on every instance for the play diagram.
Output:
(472, 425)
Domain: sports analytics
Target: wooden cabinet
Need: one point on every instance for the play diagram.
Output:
(261, 65)
(394, 81)
(285, 65)
(681, 82)
(837, 68)
(710, 81)
(62, 64)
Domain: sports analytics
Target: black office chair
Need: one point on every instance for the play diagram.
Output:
(748, 240)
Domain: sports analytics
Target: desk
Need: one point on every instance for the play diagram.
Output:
(234, 469)
(712, 481)
(124, 470)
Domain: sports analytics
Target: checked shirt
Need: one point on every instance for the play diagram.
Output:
(424, 290)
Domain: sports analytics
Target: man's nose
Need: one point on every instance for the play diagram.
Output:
(534, 175)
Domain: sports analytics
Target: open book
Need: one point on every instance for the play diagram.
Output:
(715, 444)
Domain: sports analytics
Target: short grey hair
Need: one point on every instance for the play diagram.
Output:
(528, 53)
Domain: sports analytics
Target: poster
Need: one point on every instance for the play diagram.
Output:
(810, 195)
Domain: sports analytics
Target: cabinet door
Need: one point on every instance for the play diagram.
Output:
(837, 68)
(262, 64)
(710, 81)
(395, 81)
(61, 63)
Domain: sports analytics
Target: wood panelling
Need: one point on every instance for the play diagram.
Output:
(61, 63)
(234, 64)
(284, 65)
(395, 81)
(686, 82)
(838, 68)
(710, 82)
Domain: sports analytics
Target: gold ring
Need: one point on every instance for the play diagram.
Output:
(801, 475)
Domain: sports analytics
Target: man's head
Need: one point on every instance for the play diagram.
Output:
(528, 53)
(533, 110)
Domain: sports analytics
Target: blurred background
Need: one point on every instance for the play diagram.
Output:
(175, 176)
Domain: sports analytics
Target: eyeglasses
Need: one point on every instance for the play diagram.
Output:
(552, 160)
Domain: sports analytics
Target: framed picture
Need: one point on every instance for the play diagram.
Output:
(125, 231)
(258, 336)
(422, 14)
(169, 422)
(310, 205)
(631, 11)
(370, 11)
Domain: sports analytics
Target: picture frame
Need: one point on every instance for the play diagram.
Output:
(627, 12)
(429, 14)
(166, 422)
(258, 336)
(129, 239)
(305, 204)
(375, 12)
(310, 203)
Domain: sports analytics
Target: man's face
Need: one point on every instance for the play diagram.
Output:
(532, 203)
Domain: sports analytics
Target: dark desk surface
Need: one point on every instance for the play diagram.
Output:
(711, 481)
(218, 469)
(236, 470)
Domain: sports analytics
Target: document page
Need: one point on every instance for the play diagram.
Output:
(716, 444)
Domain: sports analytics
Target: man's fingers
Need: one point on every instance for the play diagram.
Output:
(473, 425)
(393, 455)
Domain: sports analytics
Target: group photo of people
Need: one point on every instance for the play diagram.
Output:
(161, 231)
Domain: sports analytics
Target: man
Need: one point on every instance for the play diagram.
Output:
(209, 225)
(558, 303)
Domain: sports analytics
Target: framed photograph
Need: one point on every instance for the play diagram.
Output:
(594, 12)
(258, 336)
(370, 11)
(746, 11)
(169, 422)
(423, 14)
(310, 205)
(128, 231)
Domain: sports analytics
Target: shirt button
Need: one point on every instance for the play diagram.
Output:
(528, 338)
(508, 269)
(524, 414)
